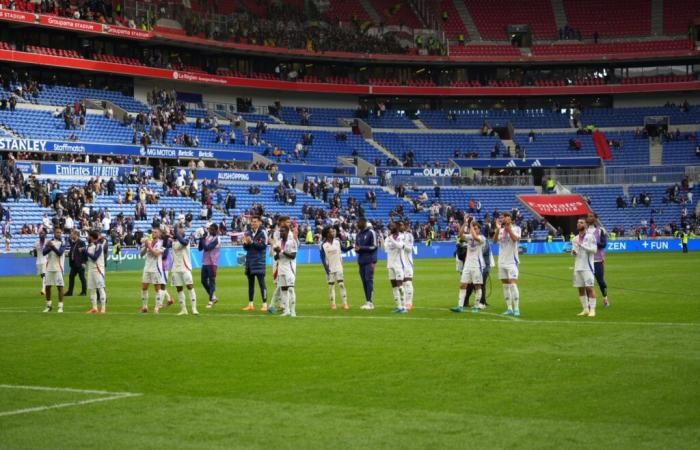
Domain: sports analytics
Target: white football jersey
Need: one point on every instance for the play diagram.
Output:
(54, 262)
(286, 265)
(334, 256)
(99, 264)
(154, 263)
(182, 260)
(39, 249)
(393, 246)
(507, 247)
(585, 248)
(408, 243)
(475, 252)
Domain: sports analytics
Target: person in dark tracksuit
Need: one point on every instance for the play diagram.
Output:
(366, 245)
(601, 239)
(77, 258)
(255, 245)
(210, 245)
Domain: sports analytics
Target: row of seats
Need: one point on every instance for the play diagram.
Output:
(610, 48)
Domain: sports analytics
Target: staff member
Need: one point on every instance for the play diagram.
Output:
(255, 245)
(366, 245)
(77, 258)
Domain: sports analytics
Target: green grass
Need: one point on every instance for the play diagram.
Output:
(356, 379)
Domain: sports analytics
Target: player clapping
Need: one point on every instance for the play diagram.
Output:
(332, 250)
(393, 246)
(181, 274)
(96, 281)
(584, 249)
(408, 242)
(286, 254)
(153, 274)
(54, 251)
(507, 235)
(472, 273)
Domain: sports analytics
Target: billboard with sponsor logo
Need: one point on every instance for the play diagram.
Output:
(231, 175)
(424, 172)
(90, 170)
(129, 259)
(41, 146)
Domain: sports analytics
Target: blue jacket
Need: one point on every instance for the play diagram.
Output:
(367, 242)
(256, 252)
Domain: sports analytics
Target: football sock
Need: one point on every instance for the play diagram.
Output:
(506, 295)
(181, 299)
(477, 297)
(144, 299)
(331, 292)
(284, 298)
(397, 297)
(515, 296)
(292, 300)
(93, 298)
(591, 303)
(584, 302)
(343, 291)
(103, 296)
(462, 297)
(408, 289)
(193, 298)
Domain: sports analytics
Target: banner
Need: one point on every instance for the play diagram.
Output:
(91, 148)
(311, 168)
(231, 175)
(129, 259)
(527, 163)
(556, 205)
(16, 16)
(90, 170)
(425, 171)
(355, 181)
(70, 24)
(26, 168)
(133, 33)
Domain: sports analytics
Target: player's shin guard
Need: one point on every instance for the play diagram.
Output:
(343, 292)
(462, 297)
(477, 297)
(144, 298)
(103, 297)
(408, 289)
(331, 293)
(93, 298)
(506, 295)
(515, 296)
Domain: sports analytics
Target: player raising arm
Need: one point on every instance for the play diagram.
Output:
(393, 246)
(181, 273)
(584, 249)
(332, 250)
(473, 264)
(95, 269)
(507, 235)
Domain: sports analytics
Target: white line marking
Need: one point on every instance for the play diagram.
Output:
(473, 317)
(111, 396)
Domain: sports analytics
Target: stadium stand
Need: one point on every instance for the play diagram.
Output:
(492, 25)
(677, 14)
(609, 19)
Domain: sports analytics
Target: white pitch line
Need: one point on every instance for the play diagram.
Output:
(474, 317)
(112, 396)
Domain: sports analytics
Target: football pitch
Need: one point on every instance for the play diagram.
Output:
(627, 378)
